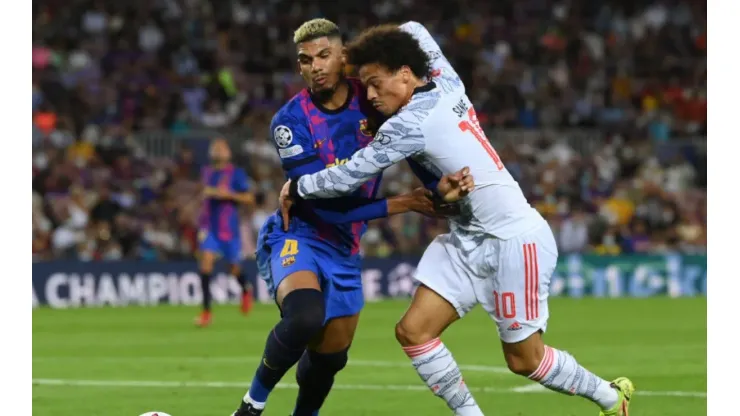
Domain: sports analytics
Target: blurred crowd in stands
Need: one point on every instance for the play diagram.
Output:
(597, 107)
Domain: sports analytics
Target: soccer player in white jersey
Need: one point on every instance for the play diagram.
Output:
(500, 252)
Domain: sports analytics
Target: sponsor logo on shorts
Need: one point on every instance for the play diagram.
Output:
(514, 327)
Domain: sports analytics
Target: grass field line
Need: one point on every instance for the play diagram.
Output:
(528, 389)
(245, 359)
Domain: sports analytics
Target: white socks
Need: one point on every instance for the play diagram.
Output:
(560, 372)
(436, 367)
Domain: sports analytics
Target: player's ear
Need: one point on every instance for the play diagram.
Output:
(344, 55)
(406, 74)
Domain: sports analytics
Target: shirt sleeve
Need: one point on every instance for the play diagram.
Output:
(292, 139)
(442, 71)
(394, 142)
(351, 209)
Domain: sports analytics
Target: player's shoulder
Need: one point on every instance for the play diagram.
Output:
(419, 111)
(290, 124)
(292, 111)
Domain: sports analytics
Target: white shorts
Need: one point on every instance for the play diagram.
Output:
(509, 278)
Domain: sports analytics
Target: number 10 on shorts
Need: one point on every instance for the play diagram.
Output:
(504, 302)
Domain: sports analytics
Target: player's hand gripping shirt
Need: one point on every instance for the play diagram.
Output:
(439, 130)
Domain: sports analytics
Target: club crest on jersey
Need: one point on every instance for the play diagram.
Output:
(365, 129)
(283, 136)
(319, 143)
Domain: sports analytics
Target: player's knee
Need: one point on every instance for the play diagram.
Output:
(315, 366)
(331, 362)
(409, 335)
(304, 310)
(524, 357)
(521, 365)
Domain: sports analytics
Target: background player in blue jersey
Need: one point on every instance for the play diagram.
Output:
(225, 189)
(312, 264)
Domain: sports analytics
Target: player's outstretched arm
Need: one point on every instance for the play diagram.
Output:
(427, 203)
(421, 201)
(393, 143)
(371, 210)
(449, 79)
(351, 209)
(450, 188)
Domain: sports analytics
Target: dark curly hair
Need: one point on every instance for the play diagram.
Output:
(389, 46)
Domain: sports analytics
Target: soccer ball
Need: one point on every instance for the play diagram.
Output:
(154, 414)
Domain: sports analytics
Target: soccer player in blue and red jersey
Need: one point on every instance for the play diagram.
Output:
(312, 263)
(225, 189)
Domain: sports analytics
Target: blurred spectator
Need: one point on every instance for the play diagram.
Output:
(598, 109)
(574, 233)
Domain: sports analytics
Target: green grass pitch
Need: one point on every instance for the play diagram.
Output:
(126, 361)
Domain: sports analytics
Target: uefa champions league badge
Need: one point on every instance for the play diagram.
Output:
(155, 414)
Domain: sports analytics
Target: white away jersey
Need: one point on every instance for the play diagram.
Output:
(439, 129)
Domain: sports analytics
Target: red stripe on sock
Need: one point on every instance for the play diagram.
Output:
(550, 362)
(545, 365)
(538, 374)
(417, 350)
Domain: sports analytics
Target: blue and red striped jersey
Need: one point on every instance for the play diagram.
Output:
(310, 138)
(219, 217)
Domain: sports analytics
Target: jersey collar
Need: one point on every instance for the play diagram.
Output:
(425, 88)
